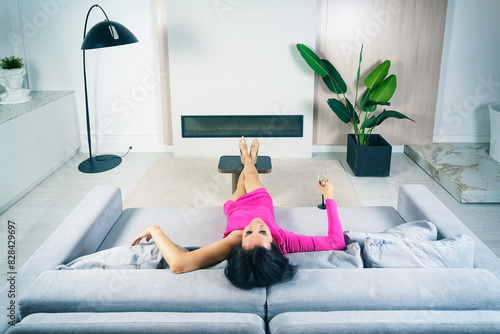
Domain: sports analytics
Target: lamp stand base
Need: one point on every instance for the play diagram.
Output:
(322, 206)
(100, 163)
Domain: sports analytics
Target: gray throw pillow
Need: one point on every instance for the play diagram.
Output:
(349, 258)
(456, 252)
(141, 256)
(417, 230)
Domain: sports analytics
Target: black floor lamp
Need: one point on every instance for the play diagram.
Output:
(104, 34)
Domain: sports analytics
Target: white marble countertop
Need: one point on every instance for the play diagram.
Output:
(465, 170)
(38, 99)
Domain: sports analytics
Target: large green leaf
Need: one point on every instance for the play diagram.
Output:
(340, 110)
(377, 75)
(352, 112)
(370, 103)
(369, 123)
(359, 69)
(334, 81)
(345, 112)
(364, 100)
(376, 120)
(384, 91)
(313, 60)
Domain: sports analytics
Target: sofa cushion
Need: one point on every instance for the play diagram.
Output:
(178, 223)
(315, 290)
(138, 291)
(416, 202)
(141, 256)
(140, 322)
(210, 223)
(311, 221)
(148, 256)
(349, 258)
(417, 230)
(457, 252)
(395, 322)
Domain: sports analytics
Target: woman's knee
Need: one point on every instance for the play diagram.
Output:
(252, 182)
(237, 194)
(252, 178)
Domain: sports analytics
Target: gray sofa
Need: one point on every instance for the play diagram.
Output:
(323, 298)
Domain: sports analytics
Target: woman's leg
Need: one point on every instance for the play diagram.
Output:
(240, 188)
(249, 177)
(252, 181)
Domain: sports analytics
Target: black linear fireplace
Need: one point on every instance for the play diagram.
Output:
(237, 126)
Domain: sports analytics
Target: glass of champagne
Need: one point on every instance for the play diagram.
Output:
(322, 182)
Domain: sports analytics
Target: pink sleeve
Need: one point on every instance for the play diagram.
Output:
(334, 241)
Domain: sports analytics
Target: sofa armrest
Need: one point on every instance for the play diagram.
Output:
(5, 304)
(81, 233)
(416, 202)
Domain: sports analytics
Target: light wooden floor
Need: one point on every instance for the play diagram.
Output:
(38, 213)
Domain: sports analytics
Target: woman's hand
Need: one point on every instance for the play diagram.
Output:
(144, 234)
(326, 189)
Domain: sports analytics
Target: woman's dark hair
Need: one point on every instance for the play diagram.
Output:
(258, 267)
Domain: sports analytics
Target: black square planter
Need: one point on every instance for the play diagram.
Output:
(371, 160)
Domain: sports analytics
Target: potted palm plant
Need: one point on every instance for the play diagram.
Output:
(367, 154)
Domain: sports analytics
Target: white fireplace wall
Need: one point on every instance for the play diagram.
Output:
(232, 57)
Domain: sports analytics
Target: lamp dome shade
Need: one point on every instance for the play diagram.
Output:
(107, 33)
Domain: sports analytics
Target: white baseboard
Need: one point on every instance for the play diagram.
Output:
(114, 146)
(117, 144)
(461, 139)
(343, 148)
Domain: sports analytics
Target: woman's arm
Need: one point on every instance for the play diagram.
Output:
(335, 231)
(180, 261)
(335, 238)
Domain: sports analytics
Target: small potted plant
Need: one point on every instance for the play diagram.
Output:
(12, 76)
(367, 154)
(10, 63)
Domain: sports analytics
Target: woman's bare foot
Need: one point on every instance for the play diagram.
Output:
(243, 149)
(254, 150)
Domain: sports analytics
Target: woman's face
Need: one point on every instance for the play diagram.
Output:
(256, 234)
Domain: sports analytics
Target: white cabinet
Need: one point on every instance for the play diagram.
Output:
(36, 138)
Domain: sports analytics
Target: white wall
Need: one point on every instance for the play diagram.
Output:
(239, 58)
(125, 97)
(11, 42)
(124, 91)
(8, 17)
(470, 71)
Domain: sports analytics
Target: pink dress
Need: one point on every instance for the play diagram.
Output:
(258, 204)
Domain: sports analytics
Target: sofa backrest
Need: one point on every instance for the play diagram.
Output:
(138, 291)
(328, 290)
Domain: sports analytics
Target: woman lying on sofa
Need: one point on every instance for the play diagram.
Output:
(253, 244)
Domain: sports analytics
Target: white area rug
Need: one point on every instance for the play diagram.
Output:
(196, 182)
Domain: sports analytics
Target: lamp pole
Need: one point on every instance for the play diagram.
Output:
(103, 34)
(85, 78)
